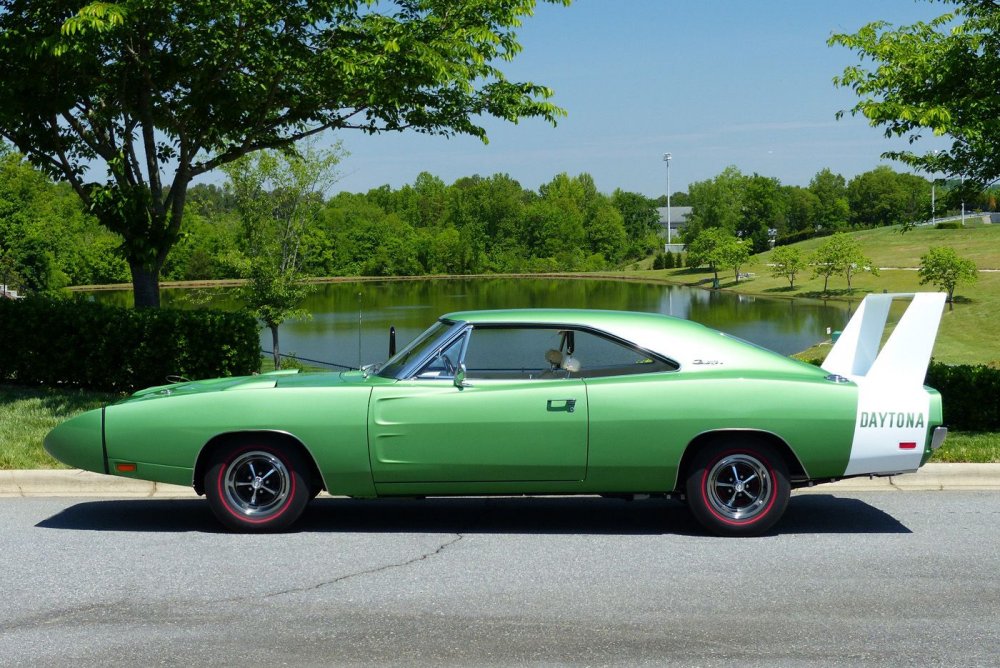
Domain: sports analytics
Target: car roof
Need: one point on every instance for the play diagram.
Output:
(688, 343)
(605, 319)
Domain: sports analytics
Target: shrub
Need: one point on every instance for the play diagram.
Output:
(969, 393)
(949, 225)
(801, 235)
(83, 344)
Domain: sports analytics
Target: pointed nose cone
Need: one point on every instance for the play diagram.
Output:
(78, 442)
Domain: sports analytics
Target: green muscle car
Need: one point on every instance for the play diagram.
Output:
(540, 402)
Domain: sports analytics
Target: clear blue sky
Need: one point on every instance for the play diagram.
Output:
(713, 82)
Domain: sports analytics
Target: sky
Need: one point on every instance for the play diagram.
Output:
(713, 82)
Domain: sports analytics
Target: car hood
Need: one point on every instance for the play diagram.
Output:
(264, 381)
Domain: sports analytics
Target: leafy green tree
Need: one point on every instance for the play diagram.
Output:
(606, 236)
(832, 207)
(803, 211)
(556, 229)
(46, 235)
(734, 254)
(716, 248)
(278, 197)
(942, 76)
(787, 262)
(884, 197)
(765, 207)
(489, 213)
(158, 92)
(717, 203)
(942, 266)
(641, 221)
(840, 254)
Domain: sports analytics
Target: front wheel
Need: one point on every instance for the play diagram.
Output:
(257, 487)
(738, 487)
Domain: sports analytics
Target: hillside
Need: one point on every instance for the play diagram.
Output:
(969, 333)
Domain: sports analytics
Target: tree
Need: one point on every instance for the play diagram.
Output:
(640, 219)
(606, 235)
(832, 208)
(942, 76)
(733, 254)
(942, 266)
(803, 207)
(716, 203)
(840, 254)
(787, 262)
(882, 197)
(718, 249)
(679, 198)
(278, 197)
(47, 236)
(765, 207)
(158, 92)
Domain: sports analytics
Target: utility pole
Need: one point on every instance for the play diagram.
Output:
(666, 159)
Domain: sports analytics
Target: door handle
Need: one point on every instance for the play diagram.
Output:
(568, 405)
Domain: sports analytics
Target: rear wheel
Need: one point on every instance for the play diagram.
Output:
(257, 487)
(738, 487)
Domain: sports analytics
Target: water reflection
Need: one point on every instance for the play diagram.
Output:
(350, 321)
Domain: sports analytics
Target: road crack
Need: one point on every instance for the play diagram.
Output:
(370, 571)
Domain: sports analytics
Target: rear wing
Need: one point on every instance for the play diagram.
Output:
(904, 358)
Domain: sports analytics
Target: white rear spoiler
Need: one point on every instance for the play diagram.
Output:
(904, 359)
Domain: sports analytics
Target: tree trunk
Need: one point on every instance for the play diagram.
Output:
(274, 346)
(145, 286)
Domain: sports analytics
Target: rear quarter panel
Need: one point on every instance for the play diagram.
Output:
(640, 426)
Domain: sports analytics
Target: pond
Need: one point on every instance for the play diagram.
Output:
(350, 321)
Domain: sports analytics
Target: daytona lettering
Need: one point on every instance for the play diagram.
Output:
(891, 420)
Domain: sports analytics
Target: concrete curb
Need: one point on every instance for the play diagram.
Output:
(75, 482)
(932, 477)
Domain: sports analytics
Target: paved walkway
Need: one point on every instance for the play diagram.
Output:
(950, 477)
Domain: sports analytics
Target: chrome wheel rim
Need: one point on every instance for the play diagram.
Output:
(739, 487)
(256, 483)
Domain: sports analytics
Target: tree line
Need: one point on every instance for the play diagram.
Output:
(475, 225)
(760, 210)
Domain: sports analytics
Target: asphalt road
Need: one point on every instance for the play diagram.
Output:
(890, 578)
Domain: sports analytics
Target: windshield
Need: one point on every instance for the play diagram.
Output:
(416, 349)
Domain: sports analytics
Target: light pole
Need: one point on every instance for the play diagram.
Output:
(666, 159)
(963, 201)
(933, 208)
(933, 204)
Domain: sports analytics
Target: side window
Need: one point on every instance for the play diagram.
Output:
(445, 361)
(511, 352)
(540, 353)
(598, 357)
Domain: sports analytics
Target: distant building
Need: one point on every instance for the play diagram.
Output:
(679, 216)
(7, 293)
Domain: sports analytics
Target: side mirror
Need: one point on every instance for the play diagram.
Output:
(460, 377)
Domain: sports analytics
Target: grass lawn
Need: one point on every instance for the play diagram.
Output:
(27, 414)
(974, 447)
